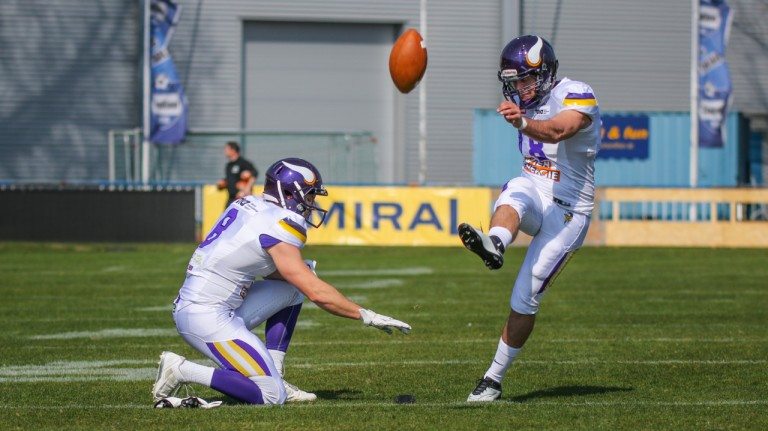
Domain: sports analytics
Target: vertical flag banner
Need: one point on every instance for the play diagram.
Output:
(714, 78)
(168, 107)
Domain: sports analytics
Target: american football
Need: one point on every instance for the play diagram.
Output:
(408, 60)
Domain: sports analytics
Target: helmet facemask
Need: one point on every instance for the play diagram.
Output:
(293, 184)
(302, 201)
(509, 78)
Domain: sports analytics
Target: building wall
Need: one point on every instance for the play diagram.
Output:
(69, 70)
(462, 41)
(68, 74)
(637, 54)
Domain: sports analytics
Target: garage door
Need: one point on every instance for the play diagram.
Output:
(321, 77)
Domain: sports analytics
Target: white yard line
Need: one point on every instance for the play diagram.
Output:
(109, 333)
(530, 362)
(167, 308)
(126, 370)
(388, 341)
(388, 404)
(371, 284)
(416, 270)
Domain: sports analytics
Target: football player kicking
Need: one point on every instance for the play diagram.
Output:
(559, 135)
(249, 270)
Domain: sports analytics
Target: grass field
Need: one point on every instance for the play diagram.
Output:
(626, 339)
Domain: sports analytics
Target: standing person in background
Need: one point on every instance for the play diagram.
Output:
(239, 174)
(559, 136)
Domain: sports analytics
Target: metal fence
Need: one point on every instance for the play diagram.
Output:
(342, 157)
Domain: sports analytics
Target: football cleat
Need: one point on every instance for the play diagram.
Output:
(489, 248)
(185, 403)
(168, 377)
(486, 390)
(296, 395)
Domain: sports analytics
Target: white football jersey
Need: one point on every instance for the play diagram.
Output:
(234, 253)
(565, 171)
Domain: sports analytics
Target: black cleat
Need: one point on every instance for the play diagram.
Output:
(489, 248)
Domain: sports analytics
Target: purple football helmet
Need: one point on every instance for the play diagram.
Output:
(528, 56)
(293, 183)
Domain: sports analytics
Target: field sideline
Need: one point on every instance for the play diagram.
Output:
(626, 339)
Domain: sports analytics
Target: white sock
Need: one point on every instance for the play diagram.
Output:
(503, 234)
(278, 356)
(505, 355)
(196, 373)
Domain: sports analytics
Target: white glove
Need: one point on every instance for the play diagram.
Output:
(311, 264)
(385, 323)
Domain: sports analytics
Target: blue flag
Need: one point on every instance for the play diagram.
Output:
(714, 77)
(168, 105)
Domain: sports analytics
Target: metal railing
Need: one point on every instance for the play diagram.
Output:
(342, 157)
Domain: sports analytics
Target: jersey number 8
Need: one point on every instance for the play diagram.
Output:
(225, 222)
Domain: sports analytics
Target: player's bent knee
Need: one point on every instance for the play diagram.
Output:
(521, 306)
(272, 390)
(298, 299)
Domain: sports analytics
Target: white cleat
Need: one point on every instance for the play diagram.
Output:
(168, 377)
(487, 390)
(296, 395)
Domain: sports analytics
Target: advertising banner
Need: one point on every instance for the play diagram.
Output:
(624, 136)
(385, 216)
(168, 104)
(714, 78)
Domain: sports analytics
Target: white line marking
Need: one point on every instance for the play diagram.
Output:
(109, 333)
(310, 324)
(122, 370)
(327, 404)
(372, 284)
(360, 299)
(167, 308)
(533, 362)
(115, 268)
(416, 270)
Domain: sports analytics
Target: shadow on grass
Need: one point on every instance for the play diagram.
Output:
(567, 391)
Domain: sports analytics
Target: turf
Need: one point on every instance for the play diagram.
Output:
(626, 339)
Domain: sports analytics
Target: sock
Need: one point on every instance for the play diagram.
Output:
(503, 234)
(279, 328)
(505, 355)
(196, 373)
(237, 386)
(278, 356)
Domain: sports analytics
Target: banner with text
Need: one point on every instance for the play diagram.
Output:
(714, 78)
(168, 104)
(418, 216)
(624, 136)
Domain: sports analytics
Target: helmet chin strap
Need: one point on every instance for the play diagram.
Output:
(280, 192)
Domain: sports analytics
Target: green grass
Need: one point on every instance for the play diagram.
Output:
(626, 339)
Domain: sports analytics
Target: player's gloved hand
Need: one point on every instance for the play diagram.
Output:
(311, 264)
(385, 323)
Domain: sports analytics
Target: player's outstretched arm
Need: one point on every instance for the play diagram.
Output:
(294, 270)
(558, 128)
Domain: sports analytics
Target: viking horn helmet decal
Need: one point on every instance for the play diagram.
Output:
(533, 56)
(309, 176)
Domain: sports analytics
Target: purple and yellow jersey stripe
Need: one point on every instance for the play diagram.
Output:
(294, 229)
(580, 99)
(237, 355)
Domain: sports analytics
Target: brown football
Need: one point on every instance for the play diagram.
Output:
(408, 60)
